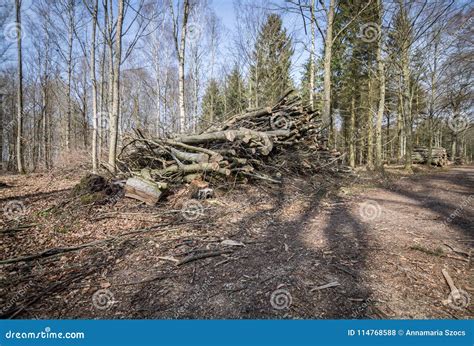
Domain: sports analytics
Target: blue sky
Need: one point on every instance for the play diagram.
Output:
(225, 10)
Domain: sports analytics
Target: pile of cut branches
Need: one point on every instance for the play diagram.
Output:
(262, 144)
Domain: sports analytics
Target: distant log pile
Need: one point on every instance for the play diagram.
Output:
(439, 156)
(261, 144)
(460, 161)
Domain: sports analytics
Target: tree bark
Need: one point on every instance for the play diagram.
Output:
(431, 110)
(326, 112)
(400, 126)
(381, 103)
(19, 134)
(351, 133)
(370, 135)
(103, 93)
(95, 124)
(69, 73)
(1, 131)
(229, 135)
(181, 51)
(406, 88)
(407, 115)
(115, 114)
(311, 56)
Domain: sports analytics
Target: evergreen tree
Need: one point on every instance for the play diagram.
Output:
(212, 104)
(270, 69)
(235, 100)
(353, 80)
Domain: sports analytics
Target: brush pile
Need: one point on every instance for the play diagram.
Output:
(262, 144)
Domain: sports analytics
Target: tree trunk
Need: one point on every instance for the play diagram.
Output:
(352, 134)
(115, 114)
(19, 134)
(400, 127)
(69, 74)
(326, 113)
(381, 104)
(311, 56)
(1, 132)
(432, 101)
(407, 115)
(110, 83)
(370, 135)
(95, 124)
(181, 50)
(195, 92)
(85, 126)
(45, 134)
(103, 101)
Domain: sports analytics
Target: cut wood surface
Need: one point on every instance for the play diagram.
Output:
(144, 190)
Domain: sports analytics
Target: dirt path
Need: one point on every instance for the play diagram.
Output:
(380, 251)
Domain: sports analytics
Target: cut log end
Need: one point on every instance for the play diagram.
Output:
(144, 190)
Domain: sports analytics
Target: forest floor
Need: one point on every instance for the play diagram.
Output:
(360, 246)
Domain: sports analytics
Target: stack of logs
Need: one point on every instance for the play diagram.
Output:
(260, 144)
(439, 156)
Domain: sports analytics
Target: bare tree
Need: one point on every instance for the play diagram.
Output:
(328, 42)
(180, 44)
(312, 54)
(19, 134)
(115, 114)
(95, 124)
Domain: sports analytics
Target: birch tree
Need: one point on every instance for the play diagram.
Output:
(180, 45)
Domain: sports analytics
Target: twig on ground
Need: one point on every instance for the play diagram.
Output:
(202, 256)
(328, 285)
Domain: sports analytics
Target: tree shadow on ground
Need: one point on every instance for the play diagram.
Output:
(459, 215)
(288, 255)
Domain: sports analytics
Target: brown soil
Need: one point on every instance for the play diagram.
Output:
(384, 241)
